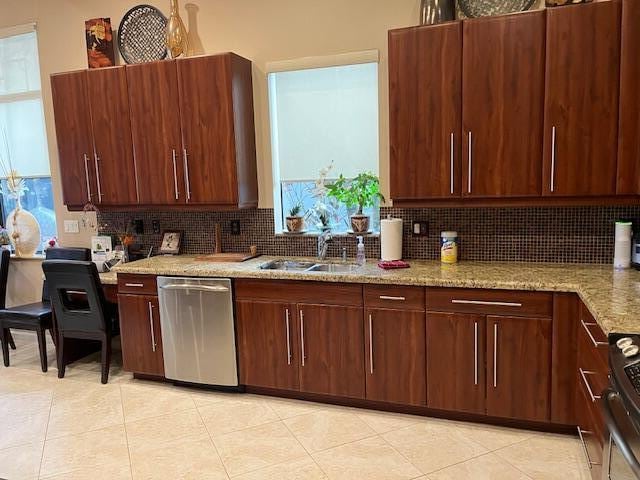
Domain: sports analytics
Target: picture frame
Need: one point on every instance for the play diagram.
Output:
(171, 242)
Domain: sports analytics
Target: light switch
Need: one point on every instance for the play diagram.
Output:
(71, 226)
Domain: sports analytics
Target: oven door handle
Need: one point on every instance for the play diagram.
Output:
(609, 396)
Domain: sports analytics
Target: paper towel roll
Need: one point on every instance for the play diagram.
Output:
(622, 246)
(391, 238)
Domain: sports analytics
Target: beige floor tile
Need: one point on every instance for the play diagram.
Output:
(288, 408)
(144, 401)
(300, 469)
(371, 459)
(21, 463)
(548, 457)
(16, 380)
(82, 407)
(236, 414)
(24, 418)
(383, 422)
(486, 467)
(97, 450)
(207, 397)
(257, 447)
(492, 437)
(328, 428)
(159, 431)
(99, 472)
(434, 444)
(191, 458)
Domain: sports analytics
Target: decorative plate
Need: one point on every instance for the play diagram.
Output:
(142, 35)
(484, 8)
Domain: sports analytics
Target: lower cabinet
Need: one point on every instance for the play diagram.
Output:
(267, 339)
(395, 362)
(331, 347)
(140, 334)
(456, 362)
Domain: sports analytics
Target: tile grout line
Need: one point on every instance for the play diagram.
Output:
(126, 434)
(215, 447)
(45, 434)
(326, 475)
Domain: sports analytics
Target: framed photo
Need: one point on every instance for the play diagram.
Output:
(171, 240)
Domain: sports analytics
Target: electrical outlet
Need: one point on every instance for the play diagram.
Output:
(155, 225)
(235, 227)
(71, 226)
(419, 228)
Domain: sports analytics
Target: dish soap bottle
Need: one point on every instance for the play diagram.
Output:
(360, 256)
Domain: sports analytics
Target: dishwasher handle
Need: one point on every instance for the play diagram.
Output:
(189, 286)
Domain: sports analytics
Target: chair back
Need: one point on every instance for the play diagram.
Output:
(5, 257)
(64, 253)
(68, 280)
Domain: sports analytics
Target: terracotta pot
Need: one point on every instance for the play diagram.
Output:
(295, 224)
(360, 223)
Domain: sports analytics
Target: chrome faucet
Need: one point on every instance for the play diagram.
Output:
(324, 239)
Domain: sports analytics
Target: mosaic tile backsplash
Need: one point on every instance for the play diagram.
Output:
(528, 234)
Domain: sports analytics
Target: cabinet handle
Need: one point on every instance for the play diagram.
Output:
(553, 158)
(584, 447)
(495, 355)
(288, 337)
(302, 337)
(475, 353)
(86, 175)
(185, 156)
(387, 297)
(96, 159)
(451, 154)
(595, 342)
(137, 285)
(470, 163)
(483, 302)
(370, 345)
(175, 173)
(583, 374)
(153, 333)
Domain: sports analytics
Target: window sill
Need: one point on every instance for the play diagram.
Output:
(317, 234)
(37, 257)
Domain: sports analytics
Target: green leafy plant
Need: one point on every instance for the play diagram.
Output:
(362, 191)
(295, 210)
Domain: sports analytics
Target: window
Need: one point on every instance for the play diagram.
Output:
(325, 120)
(23, 141)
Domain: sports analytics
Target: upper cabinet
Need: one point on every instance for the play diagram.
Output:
(581, 101)
(531, 108)
(424, 111)
(502, 110)
(629, 126)
(167, 133)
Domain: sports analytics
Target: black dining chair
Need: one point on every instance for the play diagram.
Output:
(36, 316)
(5, 258)
(80, 308)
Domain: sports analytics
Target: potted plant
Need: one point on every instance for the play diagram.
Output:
(362, 191)
(295, 221)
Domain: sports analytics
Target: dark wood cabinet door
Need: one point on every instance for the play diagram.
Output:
(155, 128)
(267, 344)
(581, 100)
(112, 161)
(206, 110)
(456, 362)
(73, 134)
(503, 105)
(331, 350)
(141, 334)
(518, 367)
(395, 356)
(424, 111)
(629, 134)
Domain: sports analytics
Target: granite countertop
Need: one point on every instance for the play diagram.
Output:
(109, 278)
(613, 297)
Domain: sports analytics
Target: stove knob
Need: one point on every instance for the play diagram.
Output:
(624, 342)
(630, 351)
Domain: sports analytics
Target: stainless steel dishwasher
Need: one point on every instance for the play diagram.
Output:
(198, 337)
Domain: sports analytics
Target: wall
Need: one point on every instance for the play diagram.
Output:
(261, 31)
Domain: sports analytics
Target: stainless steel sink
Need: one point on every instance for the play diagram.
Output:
(334, 268)
(287, 265)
